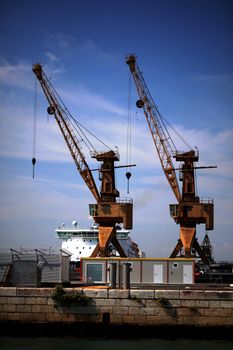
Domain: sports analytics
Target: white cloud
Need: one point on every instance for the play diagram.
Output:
(63, 41)
(71, 43)
(91, 101)
(41, 198)
(52, 57)
(16, 136)
(89, 44)
(18, 75)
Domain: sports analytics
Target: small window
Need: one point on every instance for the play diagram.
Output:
(175, 265)
(94, 272)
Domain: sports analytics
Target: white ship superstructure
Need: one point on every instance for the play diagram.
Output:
(81, 242)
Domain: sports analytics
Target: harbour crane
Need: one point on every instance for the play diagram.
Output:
(109, 209)
(190, 210)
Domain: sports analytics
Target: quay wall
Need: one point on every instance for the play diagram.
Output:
(184, 307)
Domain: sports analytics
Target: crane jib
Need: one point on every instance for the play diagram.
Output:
(159, 132)
(55, 108)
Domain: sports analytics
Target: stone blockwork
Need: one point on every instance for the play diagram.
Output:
(118, 307)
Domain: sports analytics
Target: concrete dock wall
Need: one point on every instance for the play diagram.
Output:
(184, 307)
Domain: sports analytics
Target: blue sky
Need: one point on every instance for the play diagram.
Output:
(185, 51)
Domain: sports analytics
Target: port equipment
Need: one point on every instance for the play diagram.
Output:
(109, 210)
(190, 210)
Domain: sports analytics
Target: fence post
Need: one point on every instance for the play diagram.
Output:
(119, 276)
(113, 275)
(127, 270)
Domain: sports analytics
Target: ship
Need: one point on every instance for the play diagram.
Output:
(80, 242)
(212, 271)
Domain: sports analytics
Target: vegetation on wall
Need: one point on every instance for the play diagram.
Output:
(63, 298)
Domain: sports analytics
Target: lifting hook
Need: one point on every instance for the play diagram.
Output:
(33, 165)
(128, 176)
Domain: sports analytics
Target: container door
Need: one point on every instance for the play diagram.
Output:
(158, 274)
(187, 274)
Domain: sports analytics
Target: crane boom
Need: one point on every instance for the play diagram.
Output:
(67, 131)
(160, 134)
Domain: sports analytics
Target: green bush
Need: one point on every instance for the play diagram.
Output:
(62, 297)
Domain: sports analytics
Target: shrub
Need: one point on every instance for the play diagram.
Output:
(64, 298)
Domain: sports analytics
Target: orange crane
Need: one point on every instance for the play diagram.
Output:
(109, 209)
(190, 210)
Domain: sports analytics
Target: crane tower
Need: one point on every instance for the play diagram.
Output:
(109, 209)
(190, 209)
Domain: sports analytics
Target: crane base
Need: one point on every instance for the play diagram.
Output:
(195, 247)
(107, 235)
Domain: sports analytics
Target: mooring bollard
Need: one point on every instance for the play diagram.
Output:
(113, 275)
(126, 280)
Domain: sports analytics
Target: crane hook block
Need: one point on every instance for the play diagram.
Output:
(33, 165)
(140, 103)
(50, 110)
(128, 175)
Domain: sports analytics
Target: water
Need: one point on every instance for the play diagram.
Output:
(70, 343)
